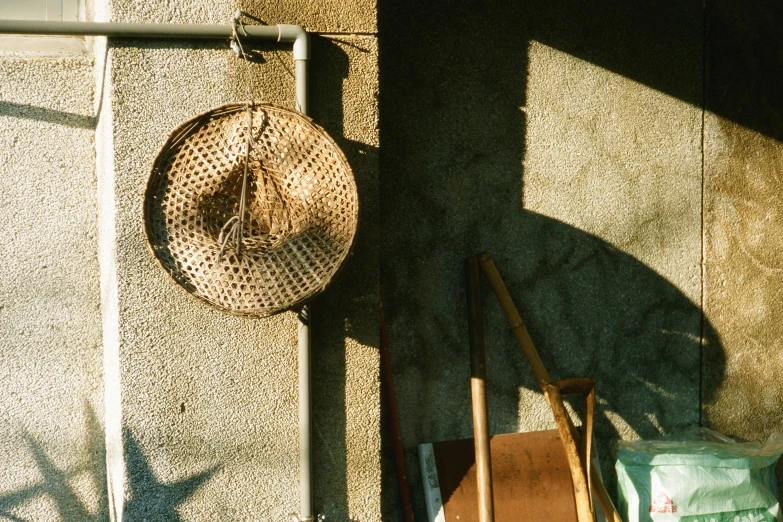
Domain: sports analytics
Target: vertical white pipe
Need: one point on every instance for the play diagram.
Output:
(301, 86)
(305, 438)
(305, 463)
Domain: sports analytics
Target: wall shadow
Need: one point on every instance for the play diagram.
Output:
(151, 499)
(654, 43)
(31, 112)
(744, 64)
(348, 308)
(453, 77)
(56, 483)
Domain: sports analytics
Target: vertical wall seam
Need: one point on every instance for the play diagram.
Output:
(107, 259)
(702, 265)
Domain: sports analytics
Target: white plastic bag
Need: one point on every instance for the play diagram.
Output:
(700, 476)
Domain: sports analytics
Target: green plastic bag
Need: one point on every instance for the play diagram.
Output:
(699, 476)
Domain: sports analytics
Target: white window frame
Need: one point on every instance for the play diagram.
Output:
(44, 10)
(49, 10)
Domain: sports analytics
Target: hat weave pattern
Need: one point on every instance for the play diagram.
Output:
(300, 217)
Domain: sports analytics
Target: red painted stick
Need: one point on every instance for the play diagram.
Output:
(394, 420)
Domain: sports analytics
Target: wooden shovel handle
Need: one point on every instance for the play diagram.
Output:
(542, 376)
(517, 325)
(569, 437)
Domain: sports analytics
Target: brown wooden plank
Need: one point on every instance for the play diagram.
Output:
(530, 476)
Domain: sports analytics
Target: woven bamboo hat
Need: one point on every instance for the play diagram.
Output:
(273, 248)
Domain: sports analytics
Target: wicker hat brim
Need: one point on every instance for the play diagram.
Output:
(302, 210)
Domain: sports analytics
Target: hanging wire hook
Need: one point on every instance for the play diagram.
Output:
(236, 224)
(236, 45)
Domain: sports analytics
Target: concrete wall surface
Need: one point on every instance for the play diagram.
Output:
(201, 407)
(621, 163)
(51, 408)
(743, 216)
(209, 401)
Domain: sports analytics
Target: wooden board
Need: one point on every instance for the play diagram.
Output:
(530, 476)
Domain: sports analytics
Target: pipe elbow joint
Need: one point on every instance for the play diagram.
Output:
(297, 35)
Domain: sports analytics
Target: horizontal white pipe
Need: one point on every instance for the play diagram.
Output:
(282, 33)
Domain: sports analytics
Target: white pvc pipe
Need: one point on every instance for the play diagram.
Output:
(136, 30)
(301, 86)
(305, 462)
(301, 56)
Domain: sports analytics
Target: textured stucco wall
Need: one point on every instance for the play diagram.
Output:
(201, 408)
(623, 188)
(743, 219)
(574, 142)
(208, 400)
(51, 438)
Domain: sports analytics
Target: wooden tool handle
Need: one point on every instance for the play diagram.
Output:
(517, 325)
(568, 436)
(576, 386)
(542, 376)
(478, 376)
(587, 439)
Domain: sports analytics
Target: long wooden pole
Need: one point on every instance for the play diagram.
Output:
(478, 376)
